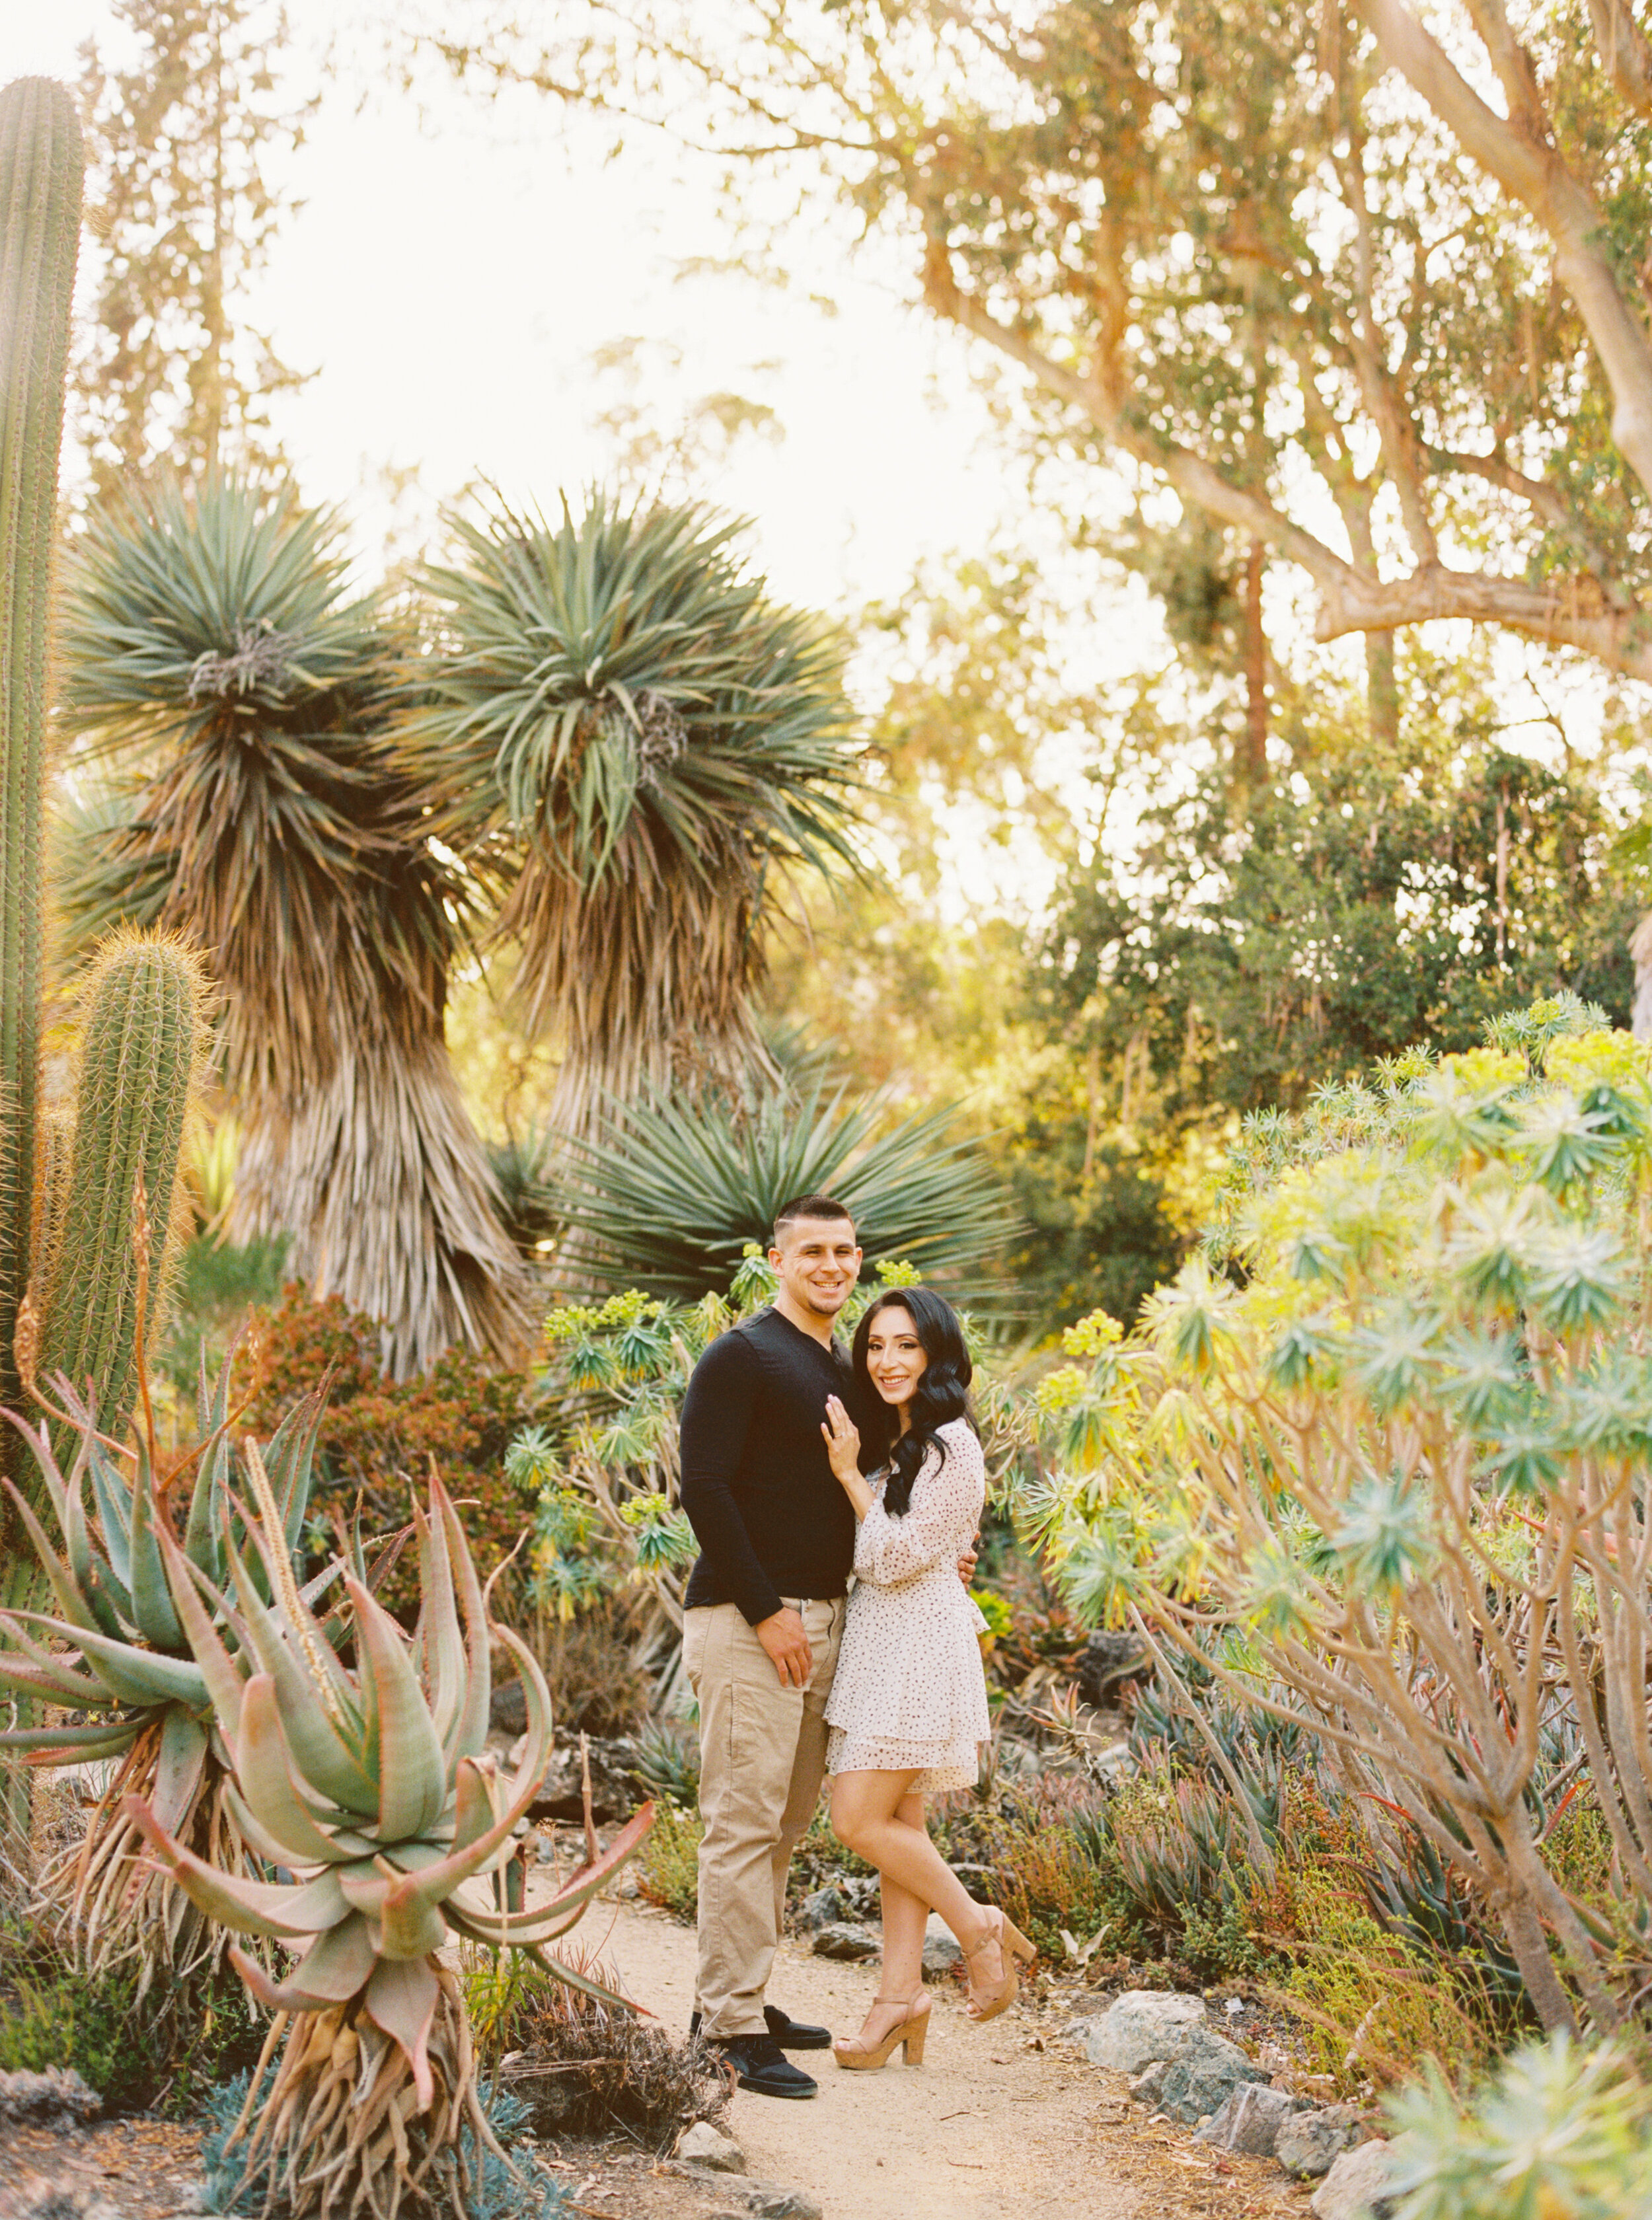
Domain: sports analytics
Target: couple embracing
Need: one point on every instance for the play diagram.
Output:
(803, 1464)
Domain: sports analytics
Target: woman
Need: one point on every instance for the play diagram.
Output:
(907, 1712)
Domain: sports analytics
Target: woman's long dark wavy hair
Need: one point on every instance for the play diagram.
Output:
(943, 1392)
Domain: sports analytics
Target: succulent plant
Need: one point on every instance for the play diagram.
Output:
(373, 1786)
(116, 1649)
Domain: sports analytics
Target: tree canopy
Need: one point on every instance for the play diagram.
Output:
(1366, 296)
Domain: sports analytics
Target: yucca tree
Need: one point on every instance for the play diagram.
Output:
(631, 743)
(666, 1194)
(214, 656)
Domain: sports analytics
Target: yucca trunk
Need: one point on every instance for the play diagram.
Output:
(379, 1176)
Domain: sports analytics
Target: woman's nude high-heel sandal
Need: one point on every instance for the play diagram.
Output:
(857, 2057)
(988, 2000)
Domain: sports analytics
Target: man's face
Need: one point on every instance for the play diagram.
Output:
(818, 1263)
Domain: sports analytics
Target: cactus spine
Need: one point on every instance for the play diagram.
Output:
(143, 1039)
(41, 165)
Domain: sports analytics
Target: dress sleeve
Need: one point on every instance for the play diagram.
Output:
(946, 1501)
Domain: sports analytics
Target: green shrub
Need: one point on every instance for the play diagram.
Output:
(668, 1871)
(1558, 2133)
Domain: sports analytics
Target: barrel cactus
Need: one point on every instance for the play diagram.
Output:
(373, 1786)
(142, 1043)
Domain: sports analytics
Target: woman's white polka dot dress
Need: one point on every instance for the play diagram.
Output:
(909, 1691)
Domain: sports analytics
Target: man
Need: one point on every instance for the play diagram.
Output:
(762, 1620)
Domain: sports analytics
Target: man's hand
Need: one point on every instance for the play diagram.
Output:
(969, 1560)
(785, 1639)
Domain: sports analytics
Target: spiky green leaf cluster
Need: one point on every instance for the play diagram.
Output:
(372, 1785)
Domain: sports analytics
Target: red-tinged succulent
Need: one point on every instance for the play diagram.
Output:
(372, 1786)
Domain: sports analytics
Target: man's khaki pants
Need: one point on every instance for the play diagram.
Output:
(762, 1761)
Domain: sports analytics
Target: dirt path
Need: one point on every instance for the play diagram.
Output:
(1006, 2120)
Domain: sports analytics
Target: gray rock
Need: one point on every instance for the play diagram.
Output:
(1353, 2188)
(763, 2200)
(702, 2146)
(820, 1910)
(1142, 2026)
(1308, 2144)
(57, 2098)
(1250, 2120)
(843, 1938)
(507, 1709)
(616, 1785)
(1199, 2082)
(941, 1951)
(1107, 1662)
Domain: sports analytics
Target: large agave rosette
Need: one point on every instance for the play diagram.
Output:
(373, 1786)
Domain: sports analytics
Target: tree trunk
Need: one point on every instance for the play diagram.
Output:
(1640, 948)
(1254, 769)
(1382, 689)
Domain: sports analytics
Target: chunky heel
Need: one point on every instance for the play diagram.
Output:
(988, 1999)
(857, 2057)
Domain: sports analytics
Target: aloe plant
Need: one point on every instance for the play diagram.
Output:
(116, 1649)
(372, 1785)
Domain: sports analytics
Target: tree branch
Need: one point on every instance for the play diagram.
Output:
(1544, 499)
(1527, 167)
(1625, 55)
(1568, 613)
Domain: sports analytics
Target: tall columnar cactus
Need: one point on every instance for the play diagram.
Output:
(41, 165)
(143, 1036)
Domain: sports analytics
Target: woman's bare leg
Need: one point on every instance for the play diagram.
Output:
(906, 1919)
(866, 1817)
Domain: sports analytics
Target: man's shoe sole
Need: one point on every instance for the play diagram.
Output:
(821, 2042)
(768, 2088)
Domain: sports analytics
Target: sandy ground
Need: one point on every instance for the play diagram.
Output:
(1007, 2119)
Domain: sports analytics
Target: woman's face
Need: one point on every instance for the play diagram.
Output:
(895, 1358)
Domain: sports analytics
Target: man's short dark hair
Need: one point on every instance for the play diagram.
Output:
(809, 1205)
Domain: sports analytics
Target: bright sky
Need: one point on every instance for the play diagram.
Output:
(449, 279)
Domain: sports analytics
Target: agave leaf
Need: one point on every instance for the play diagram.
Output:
(568, 1903)
(87, 1564)
(72, 1745)
(152, 1602)
(137, 1676)
(406, 1929)
(212, 1469)
(74, 1605)
(290, 1459)
(245, 1907)
(113, 1514)
(342, 1848)
(277, 1570)
(476, 1805)
(335, 1966)
(437, 1645)
(41, 1674)
(465, 1923)
(401, 1998)
(323, 1758)
(179, 1765)
(224, 1683)
(437, 1882)
(412, 1770)
(263, 1769)
(468, 1735)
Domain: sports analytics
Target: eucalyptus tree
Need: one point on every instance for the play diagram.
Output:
(1328, 286)
(215, 663)
(630, 746)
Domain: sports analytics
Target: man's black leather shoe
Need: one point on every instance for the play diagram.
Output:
(757, 2062)
(790, 2034)
(795, 2034)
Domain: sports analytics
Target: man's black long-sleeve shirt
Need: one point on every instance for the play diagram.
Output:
(769, 1515)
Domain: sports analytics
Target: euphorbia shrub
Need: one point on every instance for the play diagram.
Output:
(1380, 1456)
